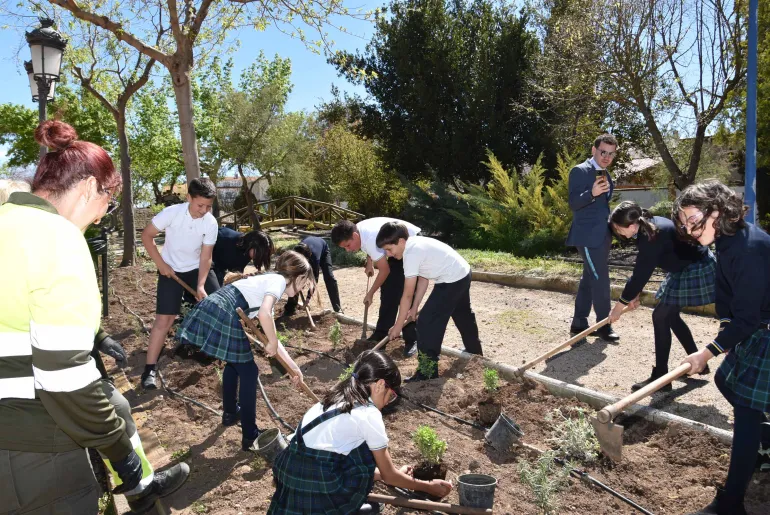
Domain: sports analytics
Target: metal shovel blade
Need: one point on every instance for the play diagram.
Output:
(610, 436)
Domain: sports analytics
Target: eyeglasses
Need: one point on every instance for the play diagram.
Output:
(393, 395)
(693, 223)
(605, 153)
(111, 207)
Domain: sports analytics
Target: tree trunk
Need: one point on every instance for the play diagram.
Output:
(181, 68)
(247, 194)
(695, 155)
(127, 197)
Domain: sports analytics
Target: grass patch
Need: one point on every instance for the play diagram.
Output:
(199, 507)
(181, 454)
(504, 262)
(520, 320)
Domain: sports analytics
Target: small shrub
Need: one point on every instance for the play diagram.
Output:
(180, 454)
(574, 436)
(335, 334)
(425, 365)
(156, 208)
(545, 478)
(662, 208)
(346, 373)
(148, 266)
(431, 447)
(491, 380)
(199, 507)
(258, 463)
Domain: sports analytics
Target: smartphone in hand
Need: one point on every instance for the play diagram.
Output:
(601, 174)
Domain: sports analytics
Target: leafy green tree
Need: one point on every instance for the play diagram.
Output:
(450, 80)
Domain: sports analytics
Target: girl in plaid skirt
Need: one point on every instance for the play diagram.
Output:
(689, 280)
(712, 213)
(213, 326)
(340, 447)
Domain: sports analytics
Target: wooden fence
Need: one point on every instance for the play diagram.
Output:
(290, 211)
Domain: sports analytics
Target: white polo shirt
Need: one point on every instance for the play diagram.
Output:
(347, 431)
(433, 260)
(369, 228)
(184, 236)
(255, 288)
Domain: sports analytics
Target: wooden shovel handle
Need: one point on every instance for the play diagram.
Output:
(262, 341)
(366, 311)
(426, 505)
(520, 371)
(185, 286)
(307, 309)
(385, 340)
(610, 412)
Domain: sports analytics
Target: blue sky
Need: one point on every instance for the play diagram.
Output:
(311, 75)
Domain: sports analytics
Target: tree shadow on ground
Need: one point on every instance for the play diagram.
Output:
(584, 358)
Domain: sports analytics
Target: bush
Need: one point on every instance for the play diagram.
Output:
(662, 208)
(431, 447)
(425, 365)
(574, 436)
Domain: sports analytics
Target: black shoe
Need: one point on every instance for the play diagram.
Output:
(247, 444)
(606, 333)
(164, 483)
(410, 349)
(230, 419)
(575, 330)
(656, 374)
(722, 505)
(148, 380)
(419, 376)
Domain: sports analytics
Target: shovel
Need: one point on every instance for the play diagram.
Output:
(362, 340)
(385, 340)
(520, 371)
(419, 504)
(261, 341)
(609, 434)
(185, 286)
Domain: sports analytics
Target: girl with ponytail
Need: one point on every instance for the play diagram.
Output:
(689, 280)
(341, 447)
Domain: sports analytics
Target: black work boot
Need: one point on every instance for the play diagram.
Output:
(230, 419)
(722, 505)
(606, 333)
(656, 374)
(164, 483)
(247, 444)
(419, 376)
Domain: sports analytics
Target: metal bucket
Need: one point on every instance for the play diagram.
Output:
(269, 444)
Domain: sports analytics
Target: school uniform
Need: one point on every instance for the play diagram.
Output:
(743, 307)
(438, 262)
(227, 256)
(320, 260)
(328, 467)
(393, 287)
(689, 282)
(185, 236)
(214, 326)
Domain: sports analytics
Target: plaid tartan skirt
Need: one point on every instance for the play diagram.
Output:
(310, 481)
(744, 375)
(214, 326)
(693, 286)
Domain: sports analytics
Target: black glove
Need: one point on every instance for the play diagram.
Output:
(113, 349)
(129, 470)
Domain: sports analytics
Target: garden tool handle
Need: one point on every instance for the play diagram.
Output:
(419, 504)
(385, 340)
(261, 339)
(520, 371)
(307, 310)
(185, 286)
(366, 311)
(610, 412)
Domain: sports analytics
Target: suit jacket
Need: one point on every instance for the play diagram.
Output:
(590, 226)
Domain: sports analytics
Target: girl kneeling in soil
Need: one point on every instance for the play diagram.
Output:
(329, 466)
(689, 280)
(712, 213)
(214, 326)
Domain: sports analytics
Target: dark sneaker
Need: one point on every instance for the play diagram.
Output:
(247, 444)
(164, 483)
(606, 333)
(148, 380)
(230, 419)
(410, 349)
(656, 374)
(419, 376)
(575, 330)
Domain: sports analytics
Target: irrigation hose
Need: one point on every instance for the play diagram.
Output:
(271, 408)
(320, 353)
(174, 393)
(458, 419)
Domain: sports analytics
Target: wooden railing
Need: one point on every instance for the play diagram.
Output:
(290, 211)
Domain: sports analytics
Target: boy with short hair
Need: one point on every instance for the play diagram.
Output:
(390, 272)
(425, 260)
(191, 232)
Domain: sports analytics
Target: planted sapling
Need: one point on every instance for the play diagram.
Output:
(490, 407)
(346, 373)
(425, 365)
(574, 436)
(545, 478)
(335, 334)
(491, 380)
(432, 449)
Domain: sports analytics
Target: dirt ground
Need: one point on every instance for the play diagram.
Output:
(668, 471)
(517, 325)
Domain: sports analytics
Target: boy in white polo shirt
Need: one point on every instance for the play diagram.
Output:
(390, 272)
(425, 260)
(191, 232)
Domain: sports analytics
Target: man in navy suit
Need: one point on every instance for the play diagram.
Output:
(590, 190)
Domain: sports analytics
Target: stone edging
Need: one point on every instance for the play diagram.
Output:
(597, 400)
(565, 285)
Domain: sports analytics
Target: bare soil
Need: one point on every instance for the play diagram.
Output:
(667, 470)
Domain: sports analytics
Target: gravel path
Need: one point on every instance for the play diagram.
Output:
(517, 325)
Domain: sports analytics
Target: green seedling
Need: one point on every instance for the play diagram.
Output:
(546, 479)
(431, 447)
(425, 365)
(491, 380)
(346, 373)
(574, 436)
(199, 507)
(257, 463)
(335, 334)
(181, 454)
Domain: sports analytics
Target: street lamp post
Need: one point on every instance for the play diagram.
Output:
(46, 46)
